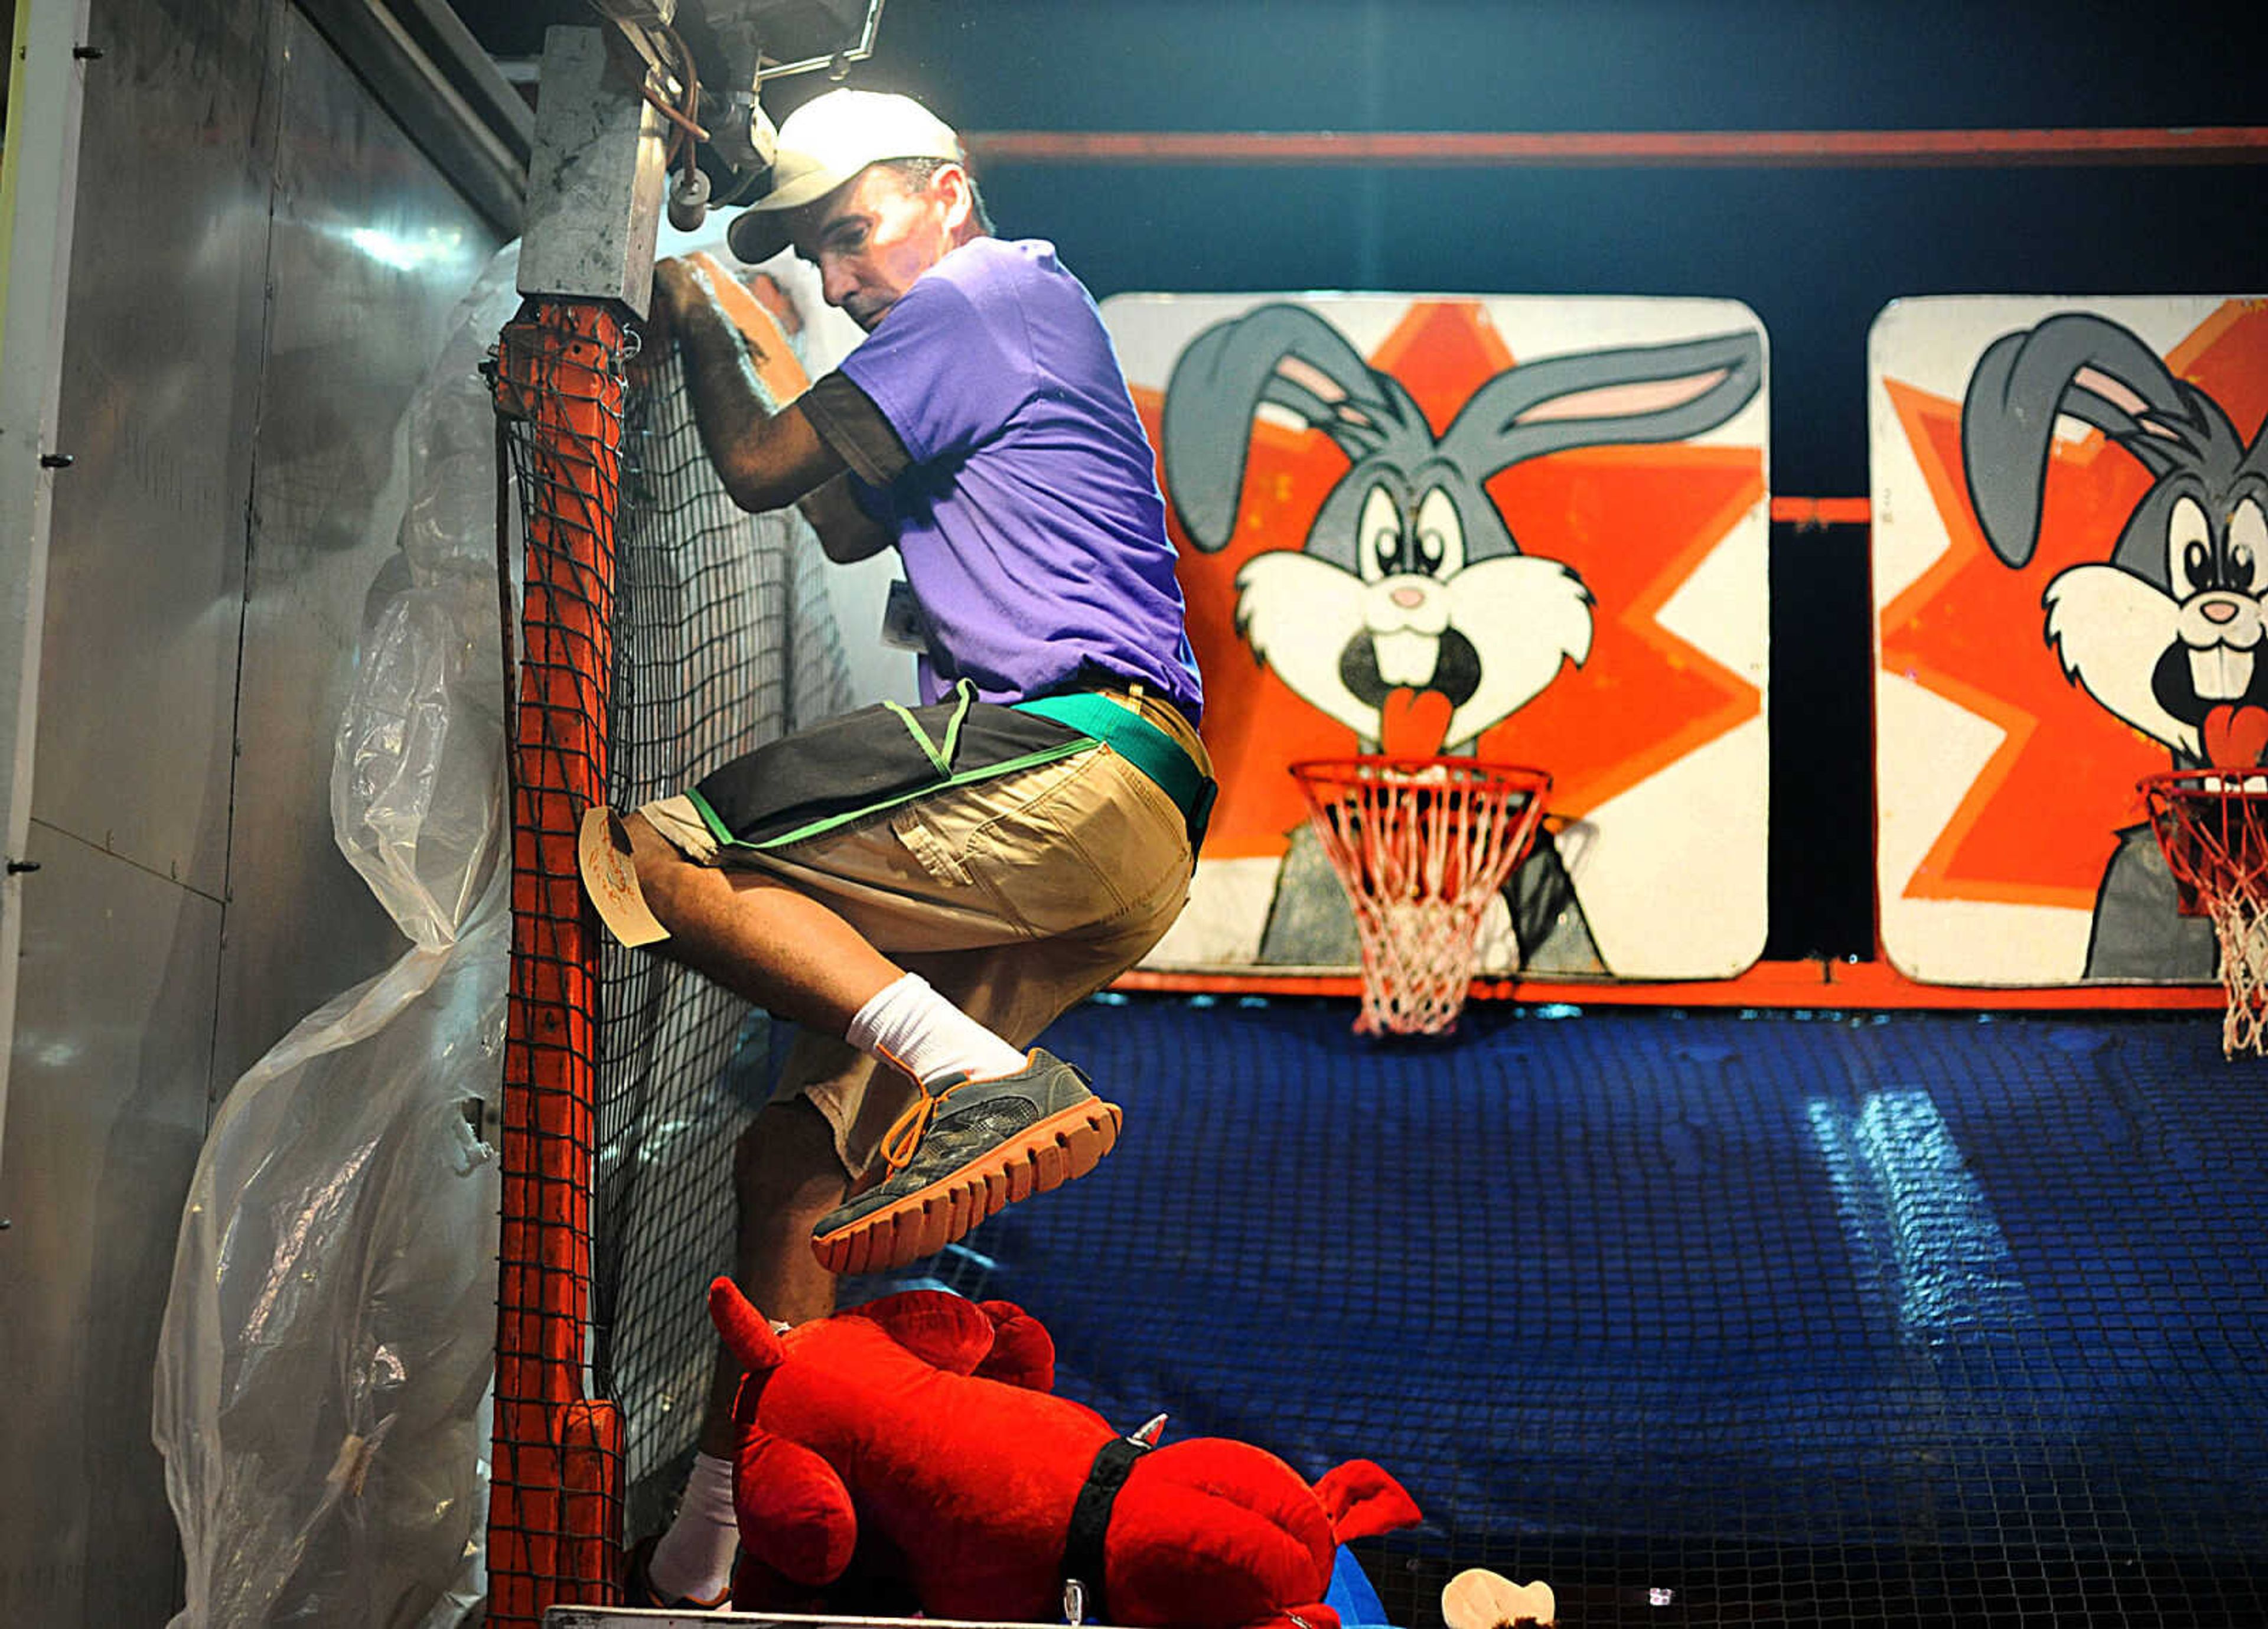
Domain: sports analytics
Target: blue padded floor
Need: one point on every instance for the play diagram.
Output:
(1702, 1318)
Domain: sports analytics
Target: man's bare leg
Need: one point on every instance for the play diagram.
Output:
(786, 1176)
(792, 955)
(763, 941)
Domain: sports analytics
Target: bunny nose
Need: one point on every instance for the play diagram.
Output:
(2212, 611)
(1410, 599)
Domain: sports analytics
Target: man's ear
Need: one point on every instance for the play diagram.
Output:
(952, 186)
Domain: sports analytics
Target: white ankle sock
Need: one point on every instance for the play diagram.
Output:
(909, 1025)
(694, 1561)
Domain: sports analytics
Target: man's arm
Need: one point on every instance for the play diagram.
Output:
(846, 532)
(766, 459)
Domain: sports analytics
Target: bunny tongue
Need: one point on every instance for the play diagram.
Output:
(1411, 723)
(2235, 736)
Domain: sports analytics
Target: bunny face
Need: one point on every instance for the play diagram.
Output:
(1409, 580)
(2207, 531)
(1486, 638)
(1407, 583)
(2170, 627)
(1422, 518)
(1405, 549)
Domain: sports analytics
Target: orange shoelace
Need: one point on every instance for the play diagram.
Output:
(903, 1141)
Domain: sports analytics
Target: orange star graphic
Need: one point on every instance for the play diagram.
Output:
(1633, 522)
(2037, 825)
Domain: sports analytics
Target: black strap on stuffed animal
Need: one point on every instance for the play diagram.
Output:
(1090, 1520)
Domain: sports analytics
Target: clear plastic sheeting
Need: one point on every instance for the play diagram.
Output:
(329, 1338)
(323, 1371)
(327, 1345)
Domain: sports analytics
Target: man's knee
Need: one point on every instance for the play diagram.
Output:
(661, 867)
(687, 896)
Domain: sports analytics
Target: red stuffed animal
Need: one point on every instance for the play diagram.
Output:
(922, 1431)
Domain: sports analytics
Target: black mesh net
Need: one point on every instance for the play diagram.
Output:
(723, 640)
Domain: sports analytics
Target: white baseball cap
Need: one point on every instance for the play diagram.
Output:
(825, 142)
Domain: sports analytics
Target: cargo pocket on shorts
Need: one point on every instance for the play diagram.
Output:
(1101, 843)
(948, 836)
(932, 849)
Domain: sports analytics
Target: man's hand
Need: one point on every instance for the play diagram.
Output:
(674, 286)
(675, 281)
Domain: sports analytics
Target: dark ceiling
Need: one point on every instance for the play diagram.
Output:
(514, 28)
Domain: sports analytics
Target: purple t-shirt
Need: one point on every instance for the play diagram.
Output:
(1030, 524)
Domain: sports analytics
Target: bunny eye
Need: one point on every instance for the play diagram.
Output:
(1440, 535)
(1378, 545)
(2189, 546)
(2248, 544)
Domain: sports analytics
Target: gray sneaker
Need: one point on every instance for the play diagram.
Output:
(962, 1152)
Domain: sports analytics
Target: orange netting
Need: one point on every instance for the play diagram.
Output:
(1422, 845)
(554, 1509)
(2213, 825)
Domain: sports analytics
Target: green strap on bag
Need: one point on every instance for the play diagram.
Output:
(940, 753)
(1141, 743)
(1092, 718)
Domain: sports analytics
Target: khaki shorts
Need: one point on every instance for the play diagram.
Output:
(1015, 897)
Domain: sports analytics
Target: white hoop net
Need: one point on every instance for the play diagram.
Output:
(1422, 844)
(2213, 827)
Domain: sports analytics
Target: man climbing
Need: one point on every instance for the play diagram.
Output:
(923, 889)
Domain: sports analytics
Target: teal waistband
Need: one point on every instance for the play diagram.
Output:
(1141, 743)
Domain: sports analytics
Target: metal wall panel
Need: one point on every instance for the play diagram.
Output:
(112, 1050)
(424, 65)
(113, 1033)
(260, 267)
(161, 389)
(370, 251)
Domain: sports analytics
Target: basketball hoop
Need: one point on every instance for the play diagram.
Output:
(2213, 825)
(1422, 844)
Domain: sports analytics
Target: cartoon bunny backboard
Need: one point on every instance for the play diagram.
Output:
(2069, 549)
(1532, 530)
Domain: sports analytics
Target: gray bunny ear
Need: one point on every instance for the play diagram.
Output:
(1282, 354)
(2078, 364)
(1599, 398)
